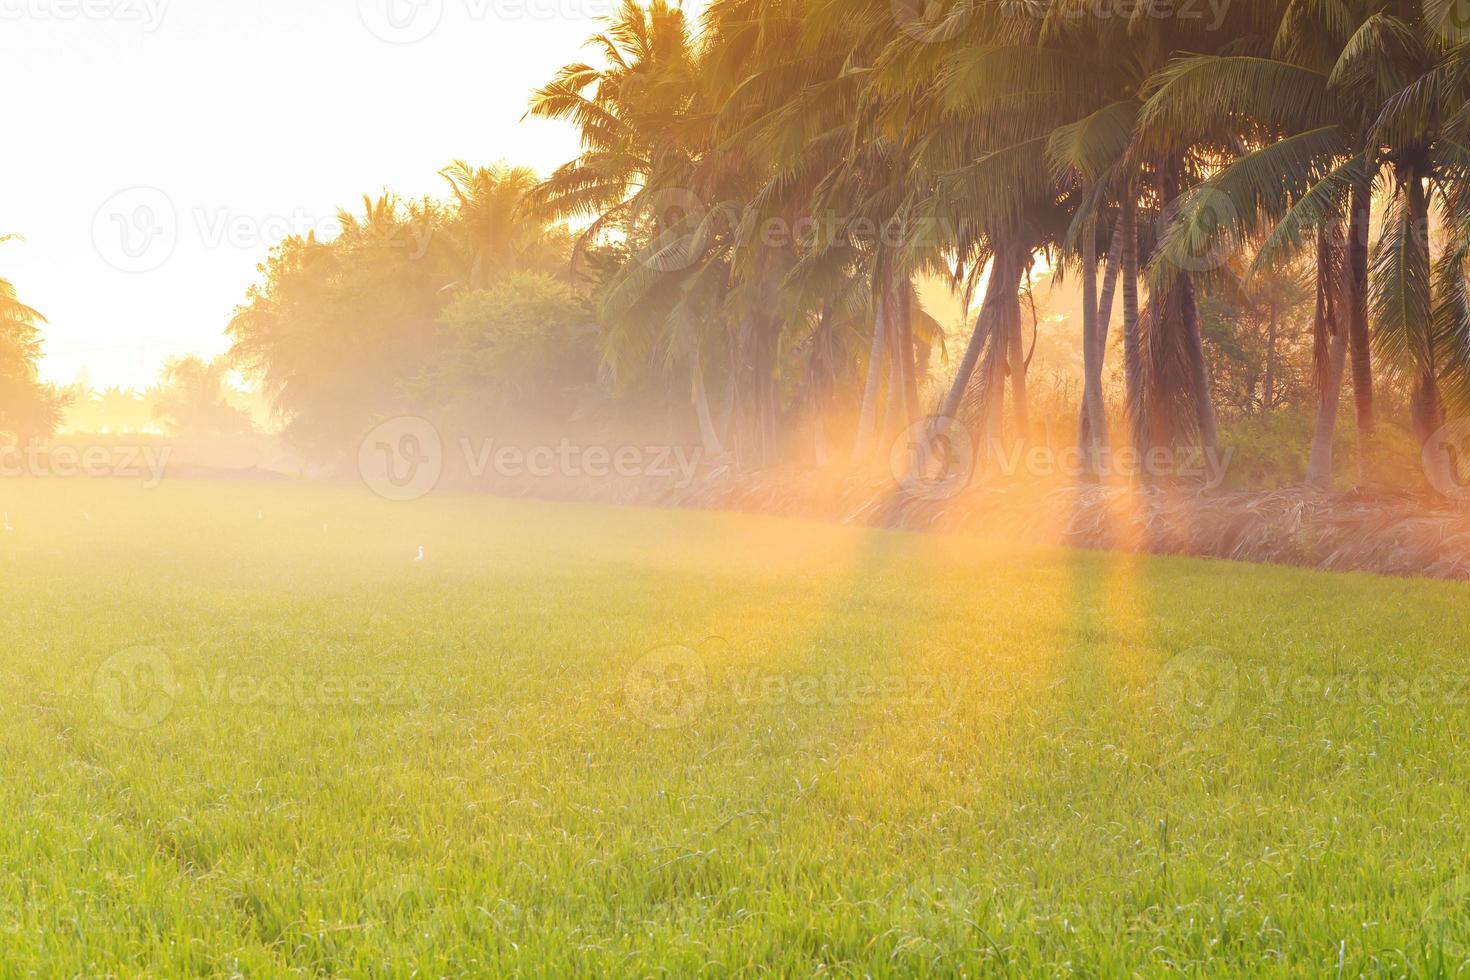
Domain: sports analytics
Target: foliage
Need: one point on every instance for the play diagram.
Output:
(1258, 339)
(1267, 448)
(193, 399)
(337, 324)
(1220, 163)
(766, 196)
(526, 348)
(110, 410)
(28, 408)
(337, 328)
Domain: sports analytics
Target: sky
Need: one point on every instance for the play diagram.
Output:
(156, 149)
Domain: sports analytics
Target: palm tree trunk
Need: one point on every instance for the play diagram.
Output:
(1132, 345)
(1109, 290)
(868, 416)
(995, 290)
(1096, 434)
(1170, 180)
(992, 401)
(726, 421)
(1362, 358)
(737, 396)
(707, 432)
(742, 409)
(903, 391)
(819, 433)
(1319, 466)
(1330, 343)
(1016, 361)
(1268, 402)
(770, 427)
(904, 307)
(1204, 400)
(896, 408)
(966, 370)
(819, 384)
(1427, 405)
(1092, 415)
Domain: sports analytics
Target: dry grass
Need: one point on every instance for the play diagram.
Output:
(1390, 534)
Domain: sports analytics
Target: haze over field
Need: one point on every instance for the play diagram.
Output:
(841, 488)
(254, 120)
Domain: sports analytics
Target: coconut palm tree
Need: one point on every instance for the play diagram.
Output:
(492, 236)
(194, 398)
(966, 138)
(1355, 101)
(634, 179)
(28, 408)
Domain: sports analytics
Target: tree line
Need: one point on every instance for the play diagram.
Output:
(785, 174)
(1259, 203)
(28, 408)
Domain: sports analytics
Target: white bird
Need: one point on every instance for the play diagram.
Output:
(260, 515)
(6, 523)
(87, 517)
(421, 554)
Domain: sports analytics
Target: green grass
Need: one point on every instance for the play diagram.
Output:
(875, 753)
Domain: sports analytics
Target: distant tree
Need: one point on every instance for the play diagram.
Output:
(1258, 336)
(338, 328)
(758, 192)
(28, 408)
(110, 410)
(525, 349)
(193, 399)
(489, 237)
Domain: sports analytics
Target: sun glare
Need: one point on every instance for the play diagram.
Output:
(811, 488)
